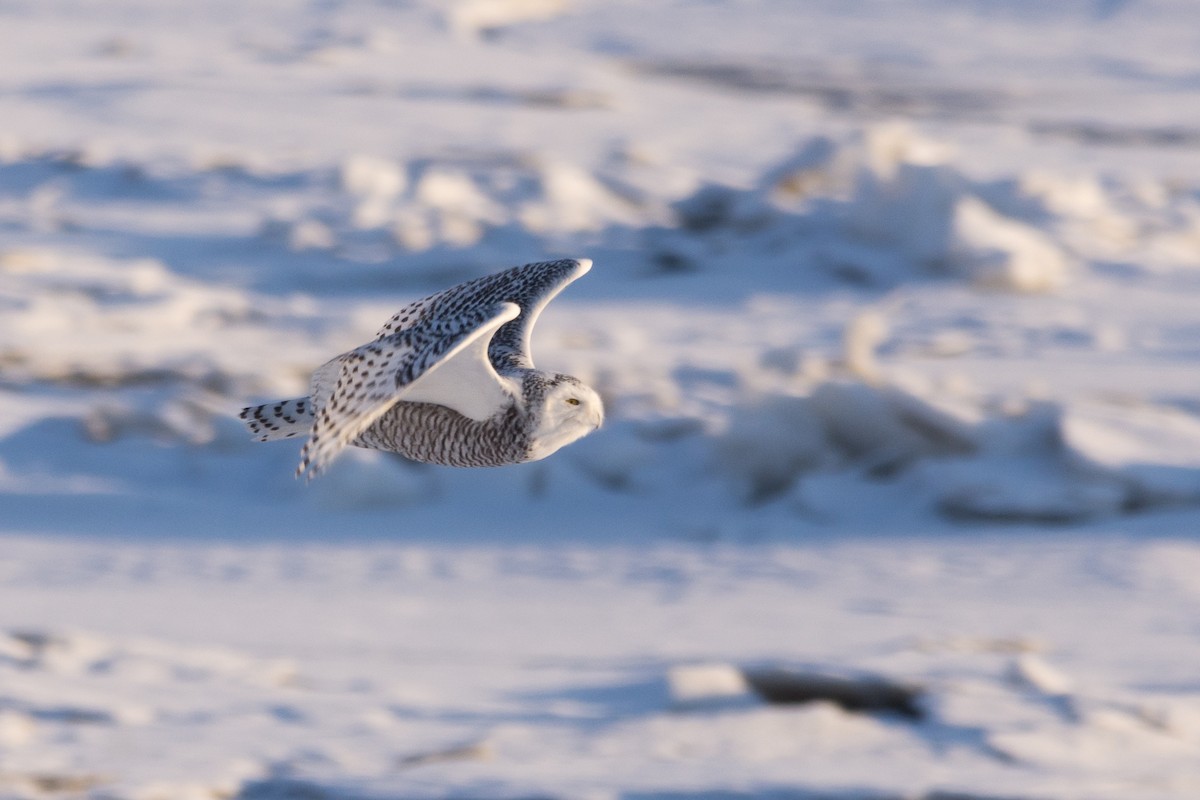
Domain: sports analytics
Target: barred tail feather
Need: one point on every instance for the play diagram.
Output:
(281, 420)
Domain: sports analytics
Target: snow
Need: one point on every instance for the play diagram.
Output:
(894, 316)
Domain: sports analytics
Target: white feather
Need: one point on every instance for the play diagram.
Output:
(466, 381)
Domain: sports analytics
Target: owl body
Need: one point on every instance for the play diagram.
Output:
(448, 380)
(434, 434)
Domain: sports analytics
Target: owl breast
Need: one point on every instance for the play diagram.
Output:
(434, 434)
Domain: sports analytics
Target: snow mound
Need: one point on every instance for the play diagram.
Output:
(770, 443)
(1042, 463)
(887, 208)
(78, 318)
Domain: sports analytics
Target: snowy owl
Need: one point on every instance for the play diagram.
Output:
(448, 380)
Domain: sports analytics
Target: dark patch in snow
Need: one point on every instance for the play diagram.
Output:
(859, 95)
(865, 693)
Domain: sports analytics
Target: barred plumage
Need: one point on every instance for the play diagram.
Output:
(448, 380)
(435, 434)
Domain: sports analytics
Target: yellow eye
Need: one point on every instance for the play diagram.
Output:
(574, 401)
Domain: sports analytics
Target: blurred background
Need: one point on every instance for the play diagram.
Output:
(893, 312)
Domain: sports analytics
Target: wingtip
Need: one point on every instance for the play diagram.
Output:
(584, 264)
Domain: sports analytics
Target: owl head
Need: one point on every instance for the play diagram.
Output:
(561, 409)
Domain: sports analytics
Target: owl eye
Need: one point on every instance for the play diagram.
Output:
(572, 401)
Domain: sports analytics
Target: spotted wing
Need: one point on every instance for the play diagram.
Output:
(405, 365)
(531, 287)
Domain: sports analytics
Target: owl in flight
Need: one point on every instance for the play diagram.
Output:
(448, 380)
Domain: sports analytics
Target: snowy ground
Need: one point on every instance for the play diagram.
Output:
(893, 311)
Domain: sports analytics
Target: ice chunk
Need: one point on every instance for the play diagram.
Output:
(905, 204)
(481, 16)
(571, 200)
(1036, 673)
(862, 336)
(369, 176)
(311, 234)
(706, 684)
(891, 145)
(803, 174)
(999, 252)
(1155, 449)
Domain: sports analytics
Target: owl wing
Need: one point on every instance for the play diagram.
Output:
(531, 287)
(443, 361)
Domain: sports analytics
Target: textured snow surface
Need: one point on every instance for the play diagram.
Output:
(386, 670)
(894, 312)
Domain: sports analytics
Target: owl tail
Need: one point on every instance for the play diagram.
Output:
(281, 420)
